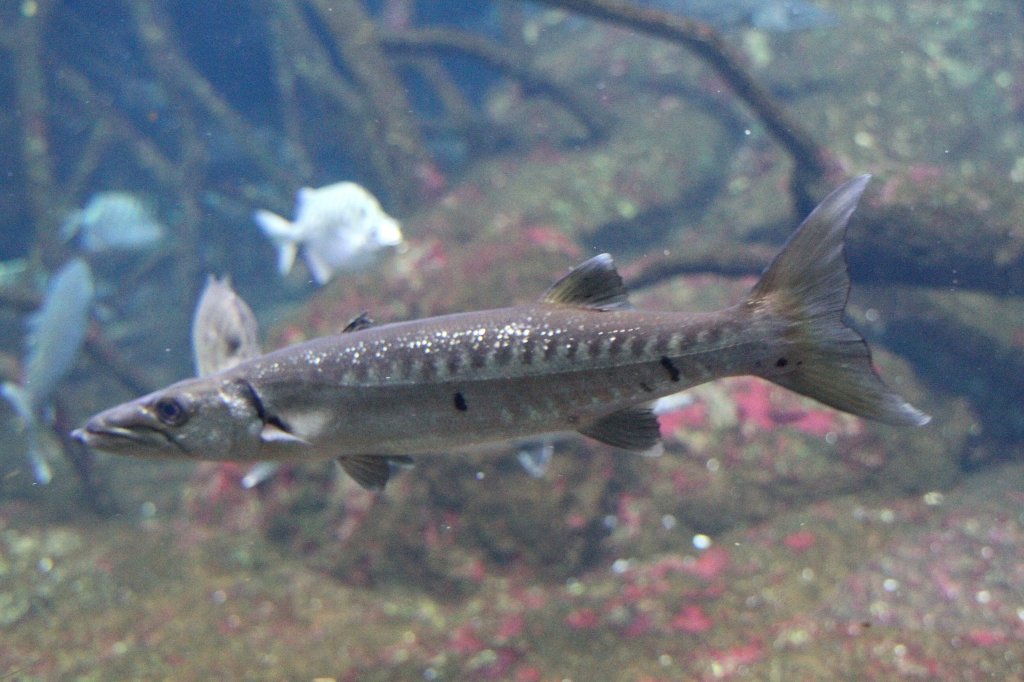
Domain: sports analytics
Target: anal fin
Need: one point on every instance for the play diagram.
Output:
(634, 428)
(372, 472)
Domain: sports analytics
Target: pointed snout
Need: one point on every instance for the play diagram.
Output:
(125, 429)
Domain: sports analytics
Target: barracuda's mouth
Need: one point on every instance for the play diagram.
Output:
(118, 438)
(133, 439)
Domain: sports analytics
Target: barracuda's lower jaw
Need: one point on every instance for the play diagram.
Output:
(120, 440)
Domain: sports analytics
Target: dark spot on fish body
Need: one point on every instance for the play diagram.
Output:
(361, 371)
(405, 364)
(594, 347)
(503, 354)
(478, 356)
(670, 367)
(571, 346)
(781, 362)
(428, 368)
(637, 346)
(454, 362)
(460, 402)
(527, 353)
(550, 348)
(615, 345)
(646, 387)
(233, 343)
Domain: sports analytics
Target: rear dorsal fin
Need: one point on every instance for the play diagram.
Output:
(592, 284)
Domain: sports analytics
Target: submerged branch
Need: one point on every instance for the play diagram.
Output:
(810, 158)
(111, 124)
(507, 61)
(174, 69)
(32, 104)
(907, 244)
(105, 354)
(399, 151)
(302, 61)
(727, 260)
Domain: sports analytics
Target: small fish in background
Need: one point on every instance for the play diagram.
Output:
(784, 16)
(535, 456)
(224, 329)
(113, 222)
(56, 334)
(338, 227)
(777, 16)
(224, 333)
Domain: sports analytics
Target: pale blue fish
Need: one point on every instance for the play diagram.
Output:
(56, 334)
(779, 16)
(113, 221)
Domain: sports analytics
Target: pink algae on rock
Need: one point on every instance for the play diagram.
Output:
(692, 620)
(583, 619)
(800, 541)
(711, 564)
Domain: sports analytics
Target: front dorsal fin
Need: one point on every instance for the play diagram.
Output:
(360, 321)
(592, 284)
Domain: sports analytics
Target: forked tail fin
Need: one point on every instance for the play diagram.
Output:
(284, 235)
(21, 401)
(807, 285)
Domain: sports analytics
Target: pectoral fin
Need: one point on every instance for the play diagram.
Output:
(372, 471)
(635, 428)
(271, 433)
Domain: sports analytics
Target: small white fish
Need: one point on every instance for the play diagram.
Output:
(338, 227)
(535, 456)
(56, 333)
(113, 221)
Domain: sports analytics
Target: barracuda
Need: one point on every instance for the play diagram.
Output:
(580, 359)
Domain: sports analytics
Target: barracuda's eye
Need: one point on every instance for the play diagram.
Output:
(170, 412)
